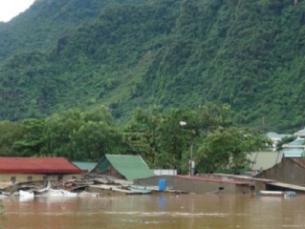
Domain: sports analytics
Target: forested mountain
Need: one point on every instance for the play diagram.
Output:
(45, 22)
(125, 54)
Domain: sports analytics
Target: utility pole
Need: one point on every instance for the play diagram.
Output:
(191, 162)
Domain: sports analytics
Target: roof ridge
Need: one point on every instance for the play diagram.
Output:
(46, 165)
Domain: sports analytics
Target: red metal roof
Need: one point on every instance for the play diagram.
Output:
(44, 165)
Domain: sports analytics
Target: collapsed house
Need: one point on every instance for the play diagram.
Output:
(21, 169)
(129, 167)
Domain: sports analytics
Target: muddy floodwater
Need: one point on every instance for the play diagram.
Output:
(155, 211)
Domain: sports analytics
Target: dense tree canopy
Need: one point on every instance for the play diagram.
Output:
(226, 149)
(75, 134)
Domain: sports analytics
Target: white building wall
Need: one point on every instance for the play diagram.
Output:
(165, 172)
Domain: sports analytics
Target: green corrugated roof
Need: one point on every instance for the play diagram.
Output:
(132, 167)
(85, 165)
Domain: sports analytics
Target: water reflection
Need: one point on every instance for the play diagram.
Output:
(156, 211)
(161, 202)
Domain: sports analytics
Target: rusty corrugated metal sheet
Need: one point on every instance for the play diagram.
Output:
(299, 161)
(46, 165)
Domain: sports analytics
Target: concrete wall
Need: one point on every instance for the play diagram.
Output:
(287, 171)
(195, 185)
(264, 160)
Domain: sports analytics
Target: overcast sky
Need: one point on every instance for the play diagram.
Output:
(11, 8)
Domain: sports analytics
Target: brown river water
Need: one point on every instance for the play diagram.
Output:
(155, 211)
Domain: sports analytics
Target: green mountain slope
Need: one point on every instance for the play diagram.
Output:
(249, 54)
(46, 21)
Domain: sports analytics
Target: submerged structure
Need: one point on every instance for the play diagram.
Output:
(129, 167)
(25, 169)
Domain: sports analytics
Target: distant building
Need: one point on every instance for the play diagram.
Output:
(276, 138)
(85, 167)
(294, 149)
(129, 167)
(289, 170)
(21, 169)
(300, 133)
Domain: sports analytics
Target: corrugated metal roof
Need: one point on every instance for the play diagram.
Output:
(288, 186)
(85, 166)
(299, 161)
(300, 133)
(45, 165)
(297, 142)
(132, 167)
(276, 136)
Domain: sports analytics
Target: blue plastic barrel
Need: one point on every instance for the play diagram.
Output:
(162, 185)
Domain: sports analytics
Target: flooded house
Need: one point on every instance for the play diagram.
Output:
(201, 184)
(290, 162)
(264, 160)
(26, 169)
(128, 167)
